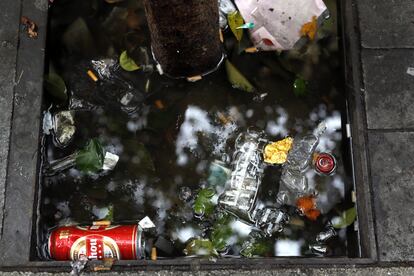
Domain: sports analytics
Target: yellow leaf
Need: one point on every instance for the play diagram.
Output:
(236, 20)
(309, 29)
(237, 79)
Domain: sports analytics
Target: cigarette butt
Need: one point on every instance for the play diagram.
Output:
(153, 254)
(92, 76)
(221, 36)
(251, 50)
(102, 223)
(194, 78)
(159, 104)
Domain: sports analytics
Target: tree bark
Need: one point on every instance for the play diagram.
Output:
(184, 35)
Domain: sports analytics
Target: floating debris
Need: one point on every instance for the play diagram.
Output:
(237, 79)
(276, 153)
(235, 21)
(127, 63)
(277, 23)
(195, 78)
(154, 254)
(64, 127)
(92, 75)
(110, 161)
(246, 26)
(29, 26)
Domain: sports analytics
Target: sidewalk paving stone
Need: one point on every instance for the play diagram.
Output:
(392, 170)
(386, 23)
(389, 90)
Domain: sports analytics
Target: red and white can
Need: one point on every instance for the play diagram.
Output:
(325, 163)
(122, 242)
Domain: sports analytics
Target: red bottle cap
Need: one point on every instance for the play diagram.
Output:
(325, 163)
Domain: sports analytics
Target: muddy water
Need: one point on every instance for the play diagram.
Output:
(173, 131)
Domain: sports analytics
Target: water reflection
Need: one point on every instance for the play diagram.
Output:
(167, 154)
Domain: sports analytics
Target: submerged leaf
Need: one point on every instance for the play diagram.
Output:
(222, 232)
(90, 158)
(200, 247)
(110, 215)
(299, 87)
(56, 87)
(203, 204)
(235, 21)
(127, 63)
(256, 247)
(237, 79)
(348, 217)
(144, 158)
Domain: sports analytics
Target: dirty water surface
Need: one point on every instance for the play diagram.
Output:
(175, 139)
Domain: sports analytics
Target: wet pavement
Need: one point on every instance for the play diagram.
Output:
(386, 54)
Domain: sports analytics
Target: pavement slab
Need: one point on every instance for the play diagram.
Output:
(377, 271)
(389, 89)
(386, 23)
(392, 170)
(9, 32)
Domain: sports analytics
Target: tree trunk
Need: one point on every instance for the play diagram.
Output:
(185, 35)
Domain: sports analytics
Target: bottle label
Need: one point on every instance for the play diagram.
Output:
(95, 247)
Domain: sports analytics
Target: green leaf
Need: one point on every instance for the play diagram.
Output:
(144, 157)
(200, 247)
(90, 159)
(347, 218)
(300, 87)
(256, 248)
(237, 79)
(203, 204)
(56, 87)
(222, 232)
(127, 63)
(110, 215)
(235, 21)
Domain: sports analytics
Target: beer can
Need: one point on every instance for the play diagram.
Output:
(325, 163)
(122, 242)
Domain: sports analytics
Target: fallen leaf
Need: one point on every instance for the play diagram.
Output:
(236, 20)
(309, 29)
(203, 204)
(299, 87)
(127, 63)
(237, 79)
(90, 158)
(56, 86)
(29, 26)
(347, 218)
(200, 247)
